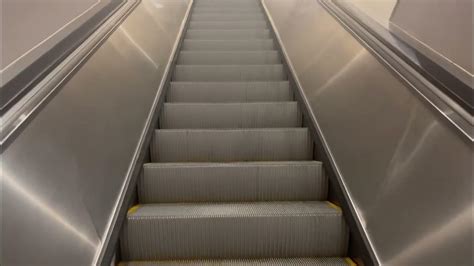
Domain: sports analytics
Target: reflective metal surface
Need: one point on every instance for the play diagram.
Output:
(62, 176)
(406, 168)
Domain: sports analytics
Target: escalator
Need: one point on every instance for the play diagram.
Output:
(232, 178)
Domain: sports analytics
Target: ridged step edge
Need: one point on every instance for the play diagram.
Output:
(222, 92)
(232, 25)
(227, 34)
(227, 145)
(228, 45)
(242, 262)
(274, 72)
(230, 115)
(232, 182)
(234, 230)
(228, 58)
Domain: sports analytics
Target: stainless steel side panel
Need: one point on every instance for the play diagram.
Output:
(407, 170)
(62, 176)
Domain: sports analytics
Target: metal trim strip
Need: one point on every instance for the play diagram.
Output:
(348, 203)
(24, 109)
(459, 118)
(108, 243)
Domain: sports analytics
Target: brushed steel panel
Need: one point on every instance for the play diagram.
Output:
(62, 175)
(405, 167)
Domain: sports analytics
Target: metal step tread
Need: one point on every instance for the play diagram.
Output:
(226, 10)
(270, 72)
(228, 57)
(232, 25)
(232, 209)
(233, 182)
(227, 34)
(221, 92)
(233, 11)
(234, 230)
(242, 262)
(230, 115)
(231, 145)
(228, 45)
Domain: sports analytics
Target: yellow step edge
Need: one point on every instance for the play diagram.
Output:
(334, 206)
(350, 262)
(133, 209)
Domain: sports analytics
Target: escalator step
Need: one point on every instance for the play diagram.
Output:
(232, 25)
(229, 58)
(229, 91)
(227, 4)
(227, 34)
(234, 231)
(229, 73)
(230, 145)
(224, 10)
(247, 262)
(230, 115)
(228, 17)
(223, 45)
(232, 182)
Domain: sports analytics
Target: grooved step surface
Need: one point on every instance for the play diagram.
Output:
(199, 145)
(227, 4)
(224, 45)
(230, 115)
(242, 262)
(227, 17)
(227, 34)
(224, 10)
(238, 182)
(232, 180)
(229, 73)
(234, 230)
(229, 58)
(232, 25)
(227, 11)
(229, 91)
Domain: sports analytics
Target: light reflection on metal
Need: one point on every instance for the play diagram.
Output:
(341, 72)
(461, 224)
(45, 208)
(143, 52)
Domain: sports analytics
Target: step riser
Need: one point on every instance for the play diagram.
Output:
(231, 145)
(230, 17)
(229, 58)
(232, 182)
(227, 25)
(229, 73)
(244, 262)
(236, 237)
(230, 11)
(229, 92)
(210, 45)
(230, 115)
(227, 34)
(254, 6)
(224, 10)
